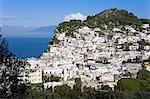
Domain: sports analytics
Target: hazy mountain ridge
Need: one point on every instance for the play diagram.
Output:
(44, 29)
(20, 31)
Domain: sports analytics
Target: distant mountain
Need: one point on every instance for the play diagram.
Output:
(20, 31)
(44, 29)
(15, 28)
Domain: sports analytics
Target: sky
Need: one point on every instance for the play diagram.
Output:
(52, 12)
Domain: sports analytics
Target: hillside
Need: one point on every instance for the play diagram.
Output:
(69, 27)
(111, 18)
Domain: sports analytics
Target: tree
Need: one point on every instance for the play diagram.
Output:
(145, 21)
(9, 82)
(143, 74)
(63, 90)
(77, 88)
(143, 42)
(69, 27)
(105, 87)
(4, 52)
(54, 78)
(78, 84)
(89, 93)
(132, 85)
(54, 41)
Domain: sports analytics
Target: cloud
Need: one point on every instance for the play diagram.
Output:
(7, 17)
(77, 16)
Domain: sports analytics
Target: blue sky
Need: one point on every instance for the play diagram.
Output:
(52, 12)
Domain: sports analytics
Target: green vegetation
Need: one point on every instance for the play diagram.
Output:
(132, 85)
(69, 27)
(143, 42)
(51, 78)
(88, 93)
(145, 21)
(138, 88)
(112, 17)
(54, 41)
(144, 74)
(105, 87)
(127, 88)
(37, 86)
(77, 88)
(54, 78)
(63, 91)
(4, 52)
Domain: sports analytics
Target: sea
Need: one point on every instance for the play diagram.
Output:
(27, 47)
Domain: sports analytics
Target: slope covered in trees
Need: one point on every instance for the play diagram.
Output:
(69, 27)
(111, 18)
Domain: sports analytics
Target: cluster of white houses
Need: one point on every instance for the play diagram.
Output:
(93, 55)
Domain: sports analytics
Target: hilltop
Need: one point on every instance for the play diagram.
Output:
(110, 18)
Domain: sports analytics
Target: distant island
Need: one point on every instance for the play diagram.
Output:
(105, 56)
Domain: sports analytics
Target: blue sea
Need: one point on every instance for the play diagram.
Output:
(27, 47)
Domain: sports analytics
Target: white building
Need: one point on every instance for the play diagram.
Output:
(35, 77)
